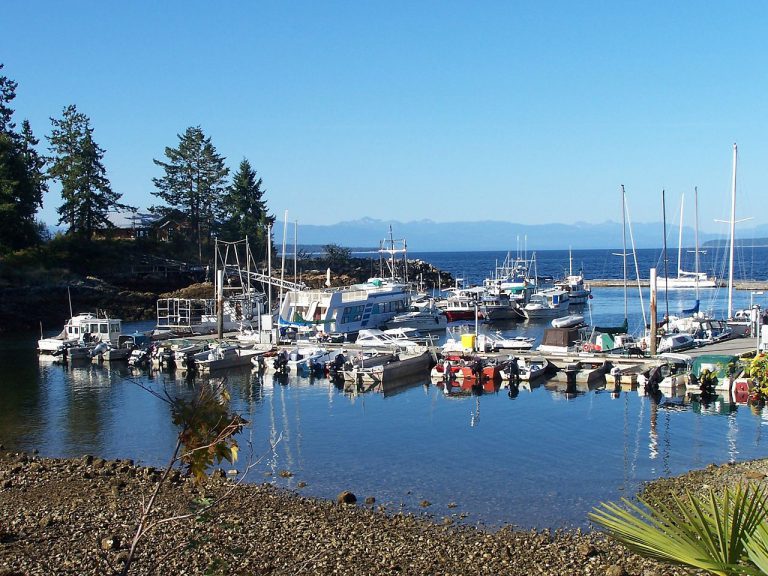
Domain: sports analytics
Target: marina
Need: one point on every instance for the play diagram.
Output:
(478, 437)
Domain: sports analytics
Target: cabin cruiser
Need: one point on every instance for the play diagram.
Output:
(548, 303)
(84, 328)
(426, 318)
(345, 310)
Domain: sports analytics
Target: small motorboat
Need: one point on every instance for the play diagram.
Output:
(568, 321)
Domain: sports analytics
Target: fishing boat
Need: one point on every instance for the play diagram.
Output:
(573, 284)
(499, 308)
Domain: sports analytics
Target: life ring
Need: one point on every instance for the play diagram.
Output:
(588, 347)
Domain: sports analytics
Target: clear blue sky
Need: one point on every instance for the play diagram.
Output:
(529, 112)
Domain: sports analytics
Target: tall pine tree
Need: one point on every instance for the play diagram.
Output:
(244, 210)
(22, 182)
(194, 180)
(77, 165)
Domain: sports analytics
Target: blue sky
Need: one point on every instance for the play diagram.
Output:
(530, 112)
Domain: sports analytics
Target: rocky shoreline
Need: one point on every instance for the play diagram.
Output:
(77, 516)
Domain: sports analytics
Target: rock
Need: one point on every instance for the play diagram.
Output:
(615, 570)
(346, 497)
(45, 521)
(286, 474)
(110, 543)
(370, 501)
(586, 550)
(425, 503)
(86, 460)
(301, 484)
(754, 475)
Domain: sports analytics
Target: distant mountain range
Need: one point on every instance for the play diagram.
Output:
(429, 236)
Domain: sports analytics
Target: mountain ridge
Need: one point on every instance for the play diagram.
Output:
(428, 236)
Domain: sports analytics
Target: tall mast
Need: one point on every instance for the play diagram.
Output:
(666, 268)
(624, 245)
(696, 238)
(680, 237)
(733, 233)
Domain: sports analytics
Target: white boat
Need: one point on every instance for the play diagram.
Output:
(84, 328)
(225, 356)
(568, 321)
(548, 303)
(528, 370)
(675, 343)
(426, 318)
(578, 291)
(499, 342)
(515, 277)
(686, 280)
(345, 310)
(386, 375)
(376, 338)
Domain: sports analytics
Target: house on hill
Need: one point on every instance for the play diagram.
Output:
(133, 225)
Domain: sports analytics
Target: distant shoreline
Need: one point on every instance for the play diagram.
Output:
(644, 282)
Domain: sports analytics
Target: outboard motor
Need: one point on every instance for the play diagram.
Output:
(281, 362)
(99, 349)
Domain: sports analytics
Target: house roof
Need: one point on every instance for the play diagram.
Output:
(131, 219)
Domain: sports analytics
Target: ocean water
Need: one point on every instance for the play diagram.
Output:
(539, 458)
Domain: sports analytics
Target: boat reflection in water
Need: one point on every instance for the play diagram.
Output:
(307, 434)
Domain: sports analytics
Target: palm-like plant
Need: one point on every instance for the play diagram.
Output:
(719, 534)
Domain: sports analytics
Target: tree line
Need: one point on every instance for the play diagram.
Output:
(194, 183)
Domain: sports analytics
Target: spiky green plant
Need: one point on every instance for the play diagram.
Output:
(703, 532)
(757, 547)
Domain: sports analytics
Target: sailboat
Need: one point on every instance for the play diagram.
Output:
(686, 280)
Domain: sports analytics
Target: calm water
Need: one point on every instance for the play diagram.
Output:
(540, 459)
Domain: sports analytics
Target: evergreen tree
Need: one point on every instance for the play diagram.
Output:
(244, 211)
(194, 180)
(21, 179)
(77, 165)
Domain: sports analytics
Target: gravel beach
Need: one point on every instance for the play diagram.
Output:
(77, 516)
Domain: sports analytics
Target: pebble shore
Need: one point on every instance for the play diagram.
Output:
(77, 516)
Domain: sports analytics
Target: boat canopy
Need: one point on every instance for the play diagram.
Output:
(612, 330)
(722, 365)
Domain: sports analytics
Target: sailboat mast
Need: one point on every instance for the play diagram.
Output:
(666, 268)
(680, 237)
(733, 233)
(696, 237)
(624, 244)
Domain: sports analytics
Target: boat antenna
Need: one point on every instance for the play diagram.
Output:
(69, 297)
(666, 268)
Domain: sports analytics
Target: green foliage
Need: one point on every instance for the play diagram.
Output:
(708, 533)
(337, 255)
(21, 177)
(77, 165)
(207, 429)
(758, 371)
(243, 211)
(193, 182)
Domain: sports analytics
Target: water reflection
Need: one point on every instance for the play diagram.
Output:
(464, 442)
